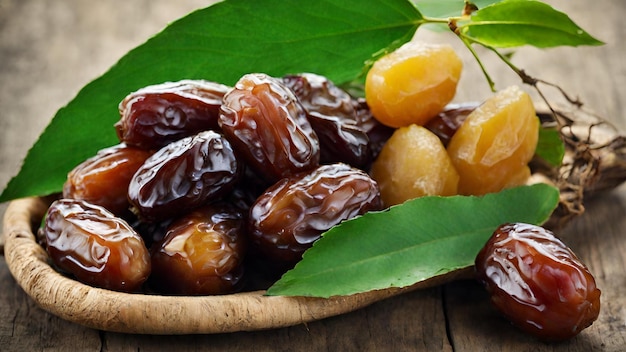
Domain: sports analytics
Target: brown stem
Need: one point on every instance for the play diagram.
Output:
(595, 162)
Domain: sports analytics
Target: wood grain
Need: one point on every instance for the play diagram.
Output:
(49, 50)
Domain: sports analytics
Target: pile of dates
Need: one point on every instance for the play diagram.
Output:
(214, 188)
(211, 182)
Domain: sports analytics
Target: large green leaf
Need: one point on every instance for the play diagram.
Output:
(513, 23)
(219, 43)
(410, 243)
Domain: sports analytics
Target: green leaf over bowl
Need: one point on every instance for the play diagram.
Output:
(416, 241)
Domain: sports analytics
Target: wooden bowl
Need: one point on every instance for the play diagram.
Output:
(155, 314)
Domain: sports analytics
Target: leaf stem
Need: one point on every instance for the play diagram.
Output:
(534, 82)
(468, 44)
(430, 20)
(526, 78)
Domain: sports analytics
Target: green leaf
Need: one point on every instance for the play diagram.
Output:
(410, 243)
(513, 23)
(550, 146)
(219, 43)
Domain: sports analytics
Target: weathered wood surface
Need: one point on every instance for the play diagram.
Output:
(49, 50)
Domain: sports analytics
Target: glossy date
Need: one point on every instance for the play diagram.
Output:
(292, 214)
(202, 253)
(377, 133)
(267, 125)
(537, 282)
(160, 114)
(95, 246)
(445, 124)
(104, 178)
(333, 116)
(184, 175)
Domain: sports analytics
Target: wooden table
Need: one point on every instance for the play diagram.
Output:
(48, 50)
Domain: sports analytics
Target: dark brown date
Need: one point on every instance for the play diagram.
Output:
(537, 282)
(95, 246)
(201, 254)
(292, 214)
(247, 190)
(151, 232)
(447, 122)
(377, 133)
(157, 115)
(184, 175)
(332, 115)
(267, 125)
(103, 179)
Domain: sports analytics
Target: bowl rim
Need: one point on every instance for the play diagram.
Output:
(114, 311)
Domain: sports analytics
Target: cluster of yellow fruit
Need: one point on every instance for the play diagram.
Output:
(489, 152)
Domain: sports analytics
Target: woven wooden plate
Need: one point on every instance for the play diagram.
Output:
(155, 314)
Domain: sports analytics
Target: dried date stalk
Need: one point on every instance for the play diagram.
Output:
(594, 162)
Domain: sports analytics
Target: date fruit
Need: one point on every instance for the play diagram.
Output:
(413, 163)
(95, 246)
(537, 282)
(268, 126)
(413, 83)
(447, 122)
(493, 146)
(332, 115)
(291, 215)
(104, 178)
(157, 115)
(184, 175)
(377, 133)
(202, 253)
